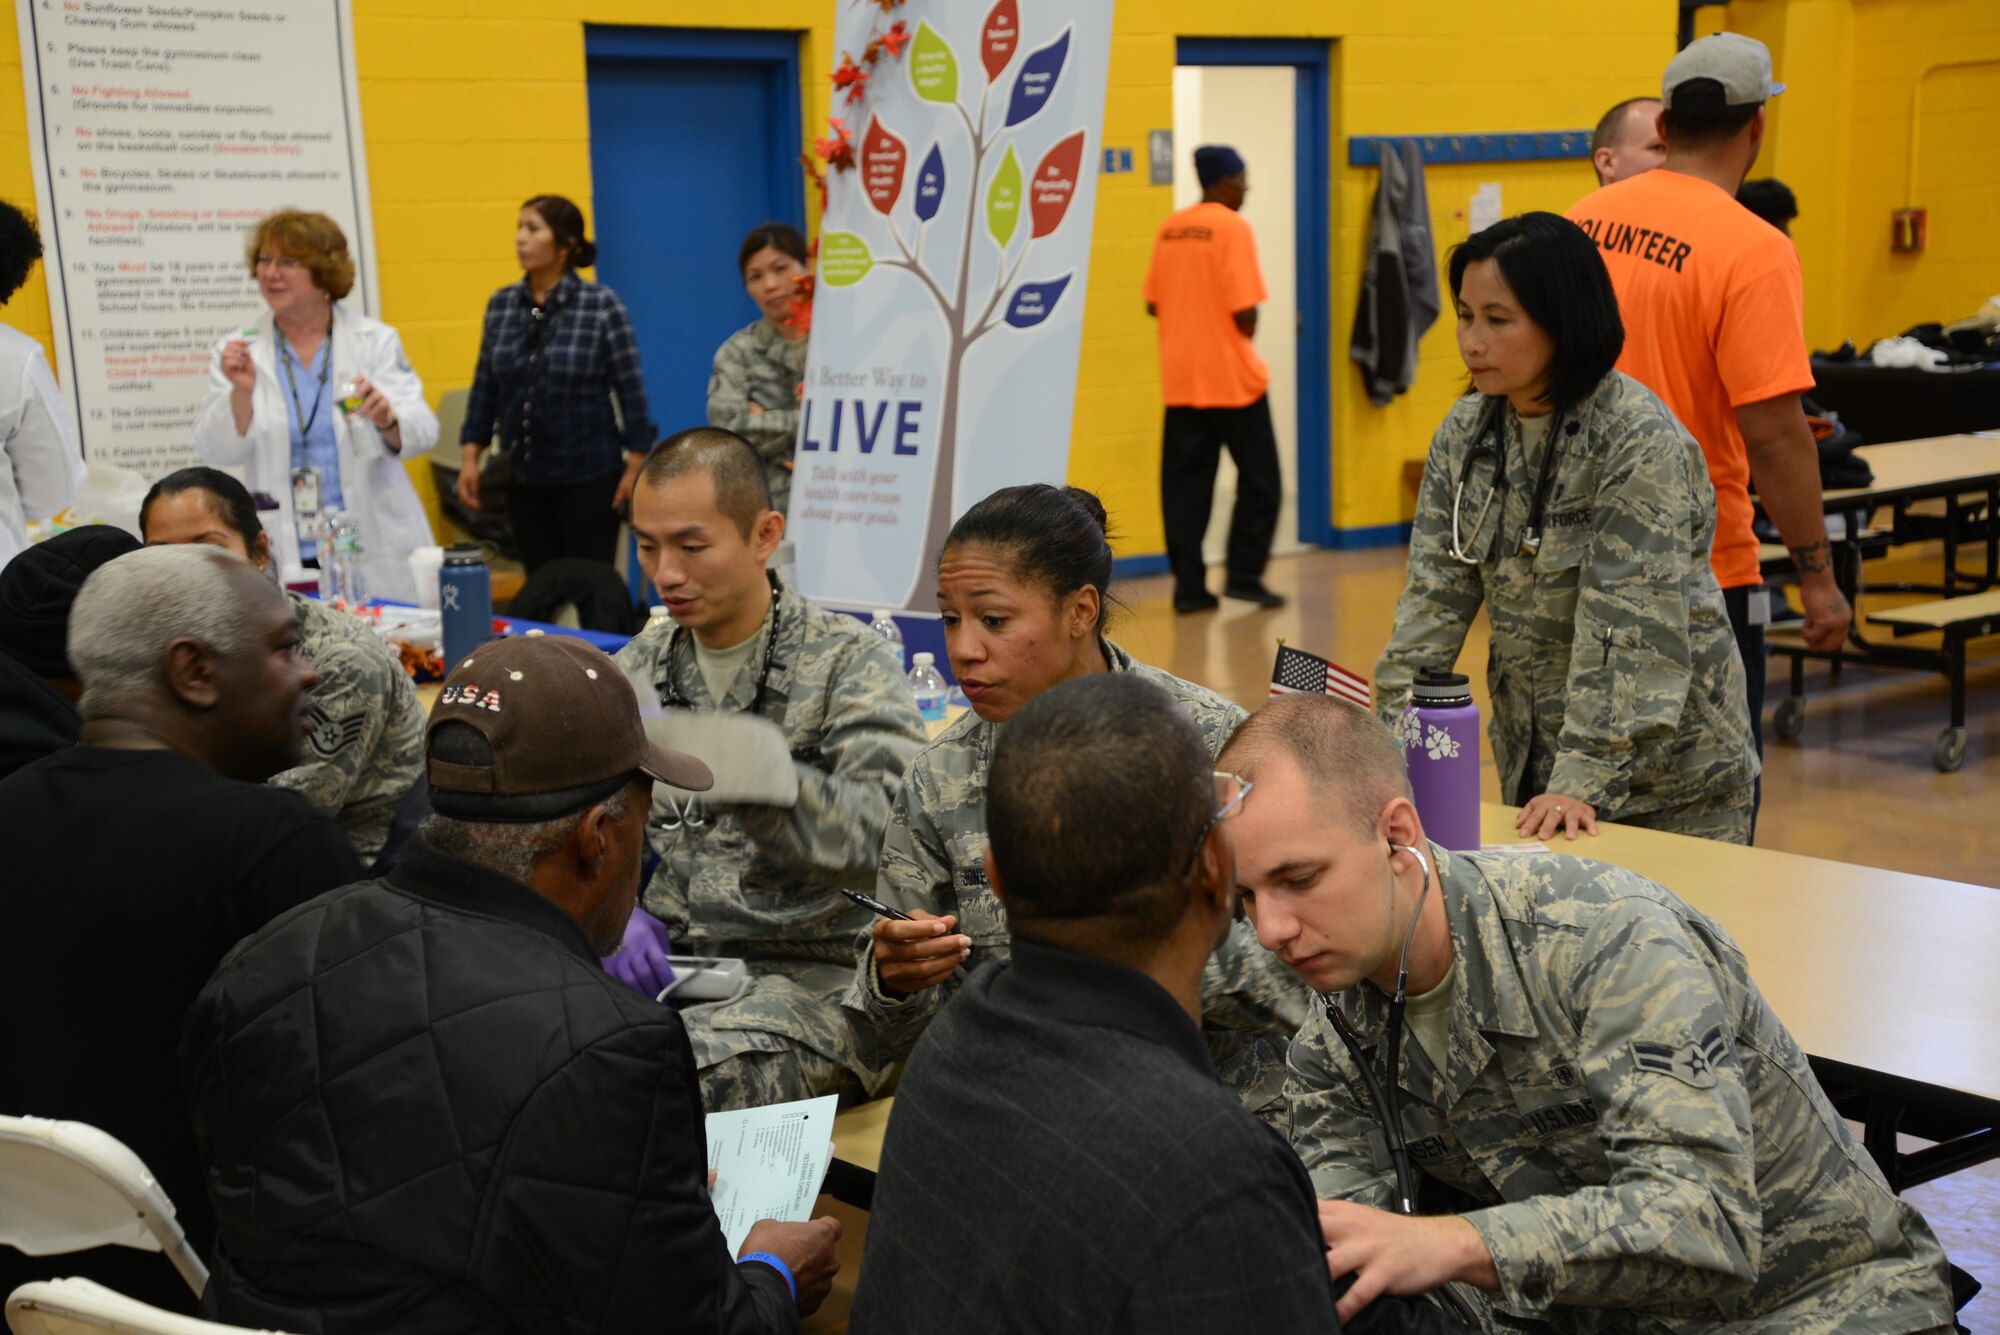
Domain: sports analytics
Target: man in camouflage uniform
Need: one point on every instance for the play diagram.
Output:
(1589, 1062)
(753, 390)
(366, 750)
(1615, 679)
(751, 881)
(933, 860)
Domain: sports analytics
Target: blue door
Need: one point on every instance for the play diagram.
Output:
(694, 139)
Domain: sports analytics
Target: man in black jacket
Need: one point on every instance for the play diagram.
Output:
(424, 1105)
(1100, 1178)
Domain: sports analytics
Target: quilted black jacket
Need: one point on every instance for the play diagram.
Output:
(424, 1107)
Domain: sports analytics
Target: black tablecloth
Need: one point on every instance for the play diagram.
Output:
(1887, 403)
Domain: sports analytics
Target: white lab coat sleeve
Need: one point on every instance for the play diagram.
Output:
(44, 452)
(215, 437)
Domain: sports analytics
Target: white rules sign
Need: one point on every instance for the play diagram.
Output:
(160, 134)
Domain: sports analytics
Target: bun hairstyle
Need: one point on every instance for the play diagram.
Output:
(1055, 537)
(565, 219)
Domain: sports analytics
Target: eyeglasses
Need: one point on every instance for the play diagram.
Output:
(1230, 790)
(282, 263)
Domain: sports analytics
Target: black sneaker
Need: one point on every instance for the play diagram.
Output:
(1255, 593)
(1203, 601)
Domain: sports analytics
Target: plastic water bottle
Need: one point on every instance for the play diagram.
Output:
(927, 684)
(329, 575)
(465, 601)
(347, 562)
(1440, 735)
(658, 618)
(885, 626)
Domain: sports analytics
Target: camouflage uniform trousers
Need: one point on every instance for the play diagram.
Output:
(786, 1038)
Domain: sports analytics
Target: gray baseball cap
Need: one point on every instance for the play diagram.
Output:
(1742, 65)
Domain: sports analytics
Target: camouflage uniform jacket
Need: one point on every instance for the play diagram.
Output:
(1647, 1135)
(764, 882)
(759, 365)
(366, 748)
(933, 859)
(1614, 674)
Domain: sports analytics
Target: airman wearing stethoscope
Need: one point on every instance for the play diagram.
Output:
(1564, 498)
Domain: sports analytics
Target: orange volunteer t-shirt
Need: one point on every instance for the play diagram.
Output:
(1714, 311)
(1205, 270)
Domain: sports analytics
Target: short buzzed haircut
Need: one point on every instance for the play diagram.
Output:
(1613, 123)
(741, 490)
(1098, 790)
(1349, 756)
(129, 611)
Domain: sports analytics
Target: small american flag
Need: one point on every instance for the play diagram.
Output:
(1299, 673)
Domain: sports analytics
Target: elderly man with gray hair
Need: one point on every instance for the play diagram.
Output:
(139, 856)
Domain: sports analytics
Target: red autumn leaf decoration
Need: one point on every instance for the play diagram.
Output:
(850, 77)
(837, 149)
(894, 40)
(799, 306)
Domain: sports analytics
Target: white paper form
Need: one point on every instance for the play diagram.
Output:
(769, 1163)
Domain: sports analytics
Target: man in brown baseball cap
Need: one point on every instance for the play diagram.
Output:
(476, 1127)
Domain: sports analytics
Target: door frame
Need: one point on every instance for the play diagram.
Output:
(1311, 61)
(774, 47)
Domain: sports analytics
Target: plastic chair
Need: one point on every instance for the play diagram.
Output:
(79, 1307)
(66, 1186)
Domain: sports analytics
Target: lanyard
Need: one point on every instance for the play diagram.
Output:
(673, 697)
(305, 419)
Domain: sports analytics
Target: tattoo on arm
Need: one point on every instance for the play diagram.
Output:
(1812, 558)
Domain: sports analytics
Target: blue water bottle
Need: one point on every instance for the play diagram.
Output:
(465, 598)
(1440, 736)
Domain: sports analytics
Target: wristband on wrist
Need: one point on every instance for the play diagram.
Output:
(784, 1271)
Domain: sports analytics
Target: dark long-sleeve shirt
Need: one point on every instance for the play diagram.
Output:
(1062, 1158)
(545, 384)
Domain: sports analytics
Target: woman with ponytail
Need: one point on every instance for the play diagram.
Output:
(555, 354)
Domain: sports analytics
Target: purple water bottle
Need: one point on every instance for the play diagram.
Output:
(1440, 735)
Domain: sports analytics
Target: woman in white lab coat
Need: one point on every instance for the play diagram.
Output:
(275, 407)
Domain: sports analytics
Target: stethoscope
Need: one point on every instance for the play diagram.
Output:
(687, 812)
(1486, 445)
(1386, 1099)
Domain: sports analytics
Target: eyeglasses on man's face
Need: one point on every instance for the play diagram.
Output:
(1230, 790)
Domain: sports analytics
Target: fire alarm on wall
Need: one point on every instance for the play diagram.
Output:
(1906, 230)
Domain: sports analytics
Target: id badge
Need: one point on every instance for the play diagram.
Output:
(305, 492)
(1758, 605)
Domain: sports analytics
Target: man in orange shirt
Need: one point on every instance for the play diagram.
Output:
(1714, 324)
(1204, 287)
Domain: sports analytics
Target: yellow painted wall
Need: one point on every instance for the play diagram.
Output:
(1870, 84)
(469, 106)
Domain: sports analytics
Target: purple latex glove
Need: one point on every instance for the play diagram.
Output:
(641, 963)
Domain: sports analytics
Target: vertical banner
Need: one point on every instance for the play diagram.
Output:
(159, 134)
(949, 298)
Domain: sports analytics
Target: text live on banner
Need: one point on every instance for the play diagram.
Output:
(952, 266)
(159, 134)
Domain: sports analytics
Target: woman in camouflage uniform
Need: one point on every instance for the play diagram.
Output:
(753, 389)
(1565, 498)
(1021, 587)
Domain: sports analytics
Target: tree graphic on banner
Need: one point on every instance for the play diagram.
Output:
(883, 163)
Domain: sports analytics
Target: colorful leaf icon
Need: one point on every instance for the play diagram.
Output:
(1032, 302)
(883, 158)
(998, 37)
(1003, 199)
(1054, 184)
(1037, 79)
(933, 67)
(843, 259)
(930, 185)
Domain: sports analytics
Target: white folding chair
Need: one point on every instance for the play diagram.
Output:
(79, 1307)
(66, 1186)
